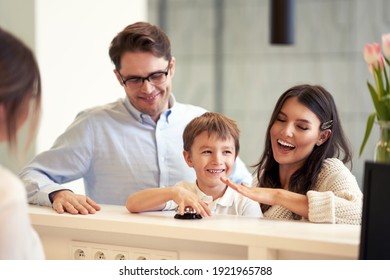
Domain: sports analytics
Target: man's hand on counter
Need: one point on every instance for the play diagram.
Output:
(67, 201)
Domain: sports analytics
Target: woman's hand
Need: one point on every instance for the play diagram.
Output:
(262, 195)
(295, 202)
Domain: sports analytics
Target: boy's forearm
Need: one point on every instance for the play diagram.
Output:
(149, 199)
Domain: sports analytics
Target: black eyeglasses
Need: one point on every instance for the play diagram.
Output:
(156, 78)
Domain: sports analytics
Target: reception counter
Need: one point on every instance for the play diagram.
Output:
(156, 235)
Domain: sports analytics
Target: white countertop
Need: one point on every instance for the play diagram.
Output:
(299, 236)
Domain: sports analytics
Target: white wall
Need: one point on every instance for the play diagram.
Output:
(72, 41)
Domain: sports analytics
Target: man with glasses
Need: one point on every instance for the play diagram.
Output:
(125, 146)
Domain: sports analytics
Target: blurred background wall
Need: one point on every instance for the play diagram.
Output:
(225, 61)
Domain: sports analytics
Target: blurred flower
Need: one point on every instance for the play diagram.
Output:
(386, 45)
(380, 91)
(372, 52)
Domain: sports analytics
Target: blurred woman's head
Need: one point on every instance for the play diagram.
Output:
(20, 88)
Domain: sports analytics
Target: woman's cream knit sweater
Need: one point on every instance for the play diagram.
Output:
(336, 198)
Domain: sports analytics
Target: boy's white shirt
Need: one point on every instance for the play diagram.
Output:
(231, 203)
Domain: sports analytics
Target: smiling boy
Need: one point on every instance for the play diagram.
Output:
(211, 146)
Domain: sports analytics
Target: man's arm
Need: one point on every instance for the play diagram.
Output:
(66, 161)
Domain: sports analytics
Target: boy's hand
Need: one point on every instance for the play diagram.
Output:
(184, 198)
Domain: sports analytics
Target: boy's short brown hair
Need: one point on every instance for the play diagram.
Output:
(213, 123)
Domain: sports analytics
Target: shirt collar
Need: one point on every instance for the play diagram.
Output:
(144, 118)
(225, 200)
(204, 197)
(228, 198)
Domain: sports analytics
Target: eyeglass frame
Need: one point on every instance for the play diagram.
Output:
(148, 77)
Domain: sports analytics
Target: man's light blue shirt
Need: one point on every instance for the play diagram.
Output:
(117, 150)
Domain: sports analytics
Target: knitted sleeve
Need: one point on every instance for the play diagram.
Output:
(336, 197)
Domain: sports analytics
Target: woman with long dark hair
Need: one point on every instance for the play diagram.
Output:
(302, 172)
